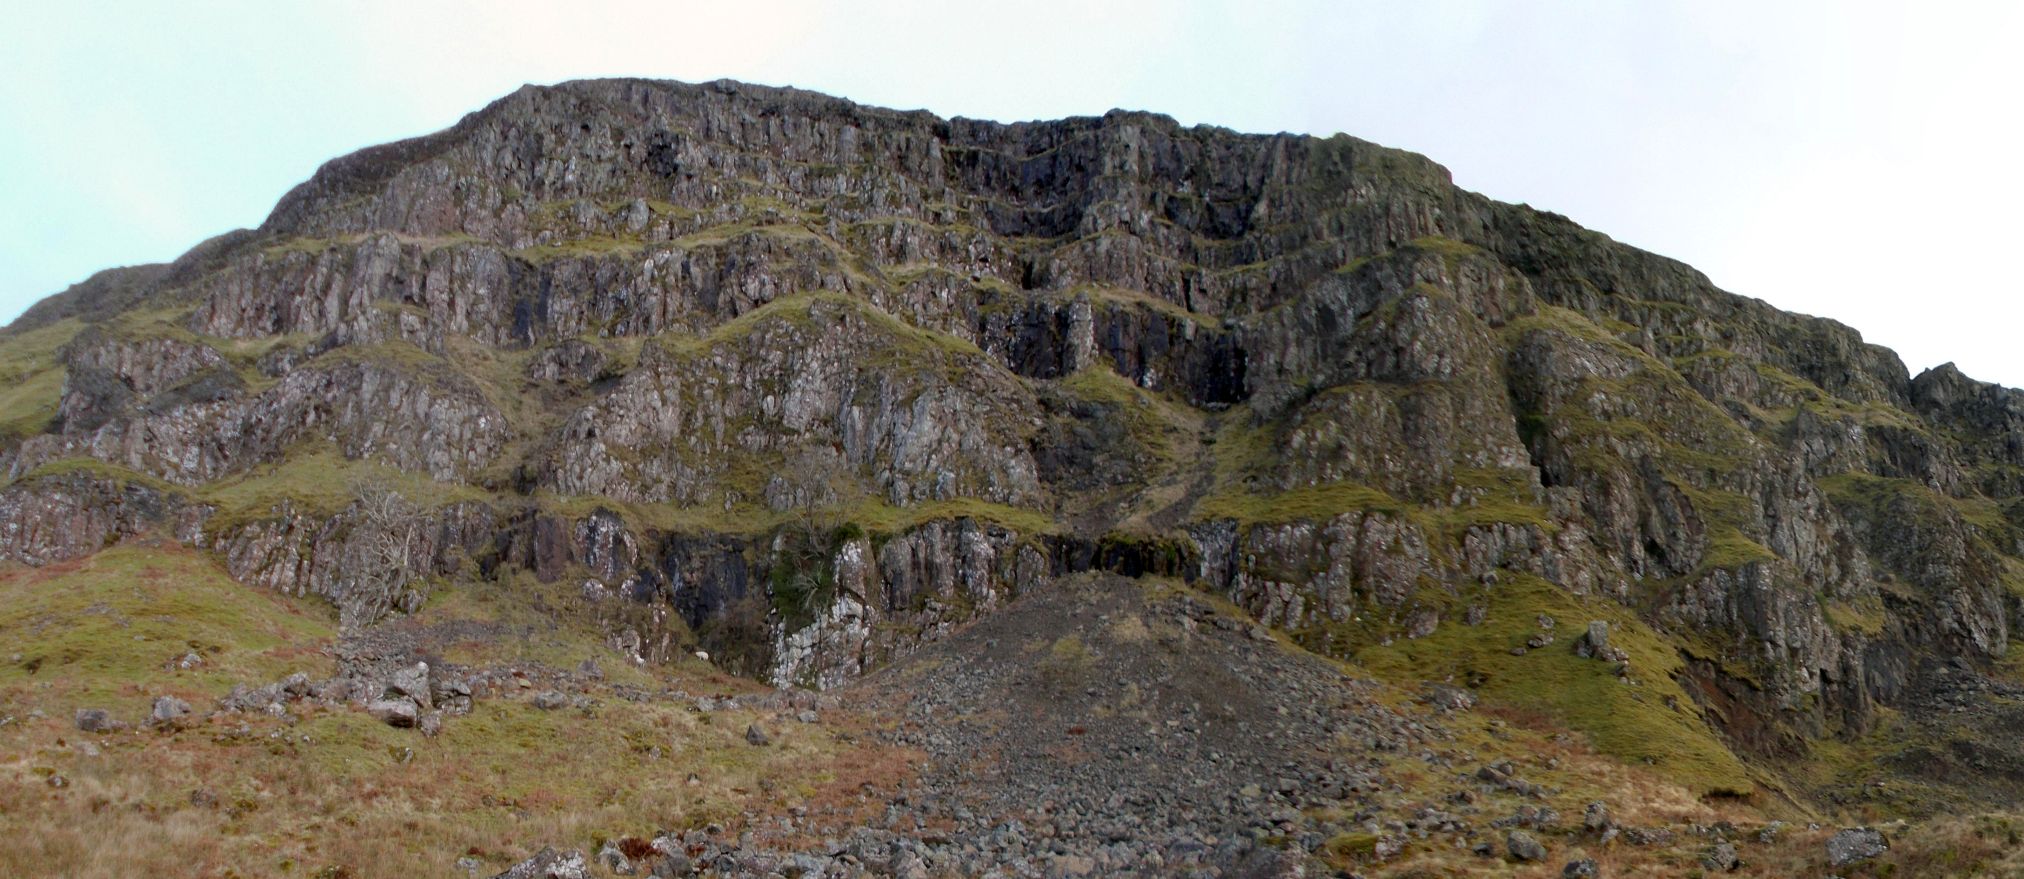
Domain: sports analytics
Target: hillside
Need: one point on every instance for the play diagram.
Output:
(681, 408)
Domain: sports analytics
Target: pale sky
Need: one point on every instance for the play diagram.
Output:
(1853, 160)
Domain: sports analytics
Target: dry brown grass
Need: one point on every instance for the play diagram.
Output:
(210, 801)
(1575, 774)
(331, 790)
(1986, 845)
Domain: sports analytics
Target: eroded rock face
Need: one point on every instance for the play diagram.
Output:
(1297, 573)
(1309, 373)
(443, 428)
(302, 554)
(106, 377)
(68, 515)
(915, 422)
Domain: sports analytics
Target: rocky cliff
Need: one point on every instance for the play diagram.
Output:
(806, 384)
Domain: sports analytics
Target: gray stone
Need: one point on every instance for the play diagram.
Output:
(1855, 844)
(550, 700)
(549, 864)
(1595, 640)
(412, 682)
(1595, 817)
(394, 712)
(1721, 857)
(1524, 847)
(1769, 833)
(1422, 623)
(97, 720)
(1448, 698)
(756, 736)
(613, 858)
(1583, 868)
(672, 864)
(168, 711)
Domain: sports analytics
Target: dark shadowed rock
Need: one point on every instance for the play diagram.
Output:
(1721, 857)
(1523, 846)
(97, 720)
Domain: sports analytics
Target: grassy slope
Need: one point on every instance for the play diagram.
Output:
(31, 378)
(1647, 720)
(332, 788)
(337, 789)
(100, 631)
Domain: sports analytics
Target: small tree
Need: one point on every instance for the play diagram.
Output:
(813, 484)
(812, 487)
(378, 554)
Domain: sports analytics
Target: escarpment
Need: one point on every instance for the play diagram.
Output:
(807, 384)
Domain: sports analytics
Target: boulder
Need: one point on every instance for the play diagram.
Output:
(549, 864)
(614, 859)
(1722, 858)
(1855, 844)
(401, 712)
(756, 736)
(412, 682)
(97, 720)
(1595, 640)
(1523, 847)
(1448, 698)
(168, 711)
(1595, 817)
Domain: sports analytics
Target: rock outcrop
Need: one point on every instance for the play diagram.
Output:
(807, 384)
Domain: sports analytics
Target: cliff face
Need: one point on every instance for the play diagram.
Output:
(807, 383)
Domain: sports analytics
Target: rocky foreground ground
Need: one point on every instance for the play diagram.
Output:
(1105, 728)
(1099, 726)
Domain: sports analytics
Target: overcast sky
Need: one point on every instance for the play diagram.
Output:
(1844, 159)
